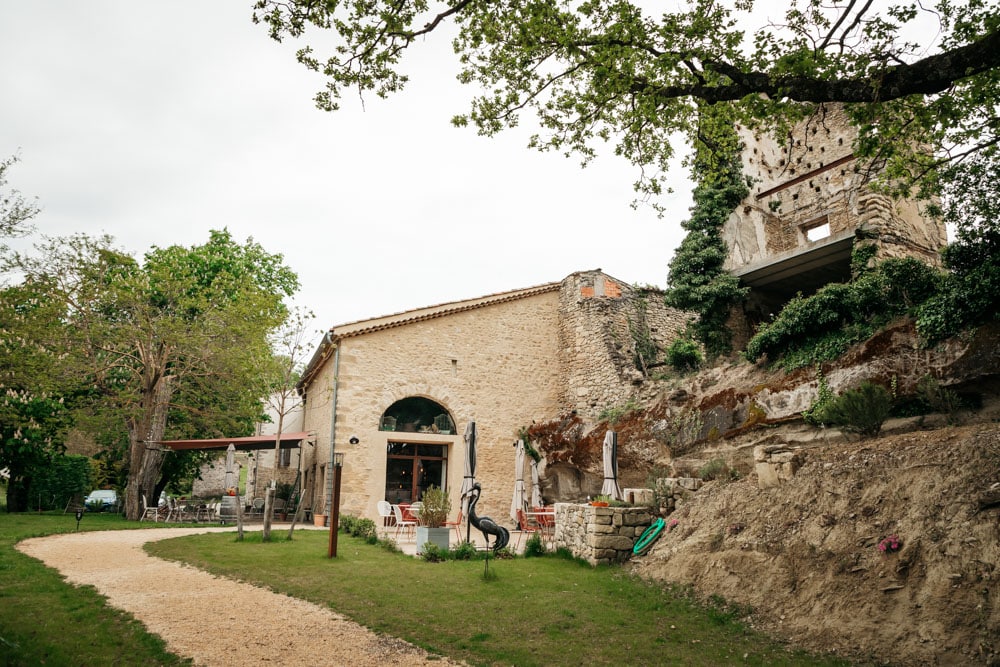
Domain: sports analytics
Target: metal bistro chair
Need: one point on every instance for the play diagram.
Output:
(386, 513)
(257, 509)
(403, 525)
(528, 526)
(457, 525)
(149, 512)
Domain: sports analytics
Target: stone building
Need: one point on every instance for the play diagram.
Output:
(394, 394)
(810, 204)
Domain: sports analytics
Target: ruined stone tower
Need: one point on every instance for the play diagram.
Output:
(810, 204)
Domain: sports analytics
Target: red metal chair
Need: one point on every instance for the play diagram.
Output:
(527, 525)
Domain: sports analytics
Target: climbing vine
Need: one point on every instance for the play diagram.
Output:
(644, 349)
(697, 280)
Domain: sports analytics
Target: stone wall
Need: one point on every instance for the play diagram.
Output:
(776, 464)
(213, 475)
(597, 318)
(600, 535)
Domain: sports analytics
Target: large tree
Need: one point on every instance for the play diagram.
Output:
(912, 75)
(15, 211)
(33, 410)
(168, 346)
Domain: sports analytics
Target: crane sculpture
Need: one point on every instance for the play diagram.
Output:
(486, 525)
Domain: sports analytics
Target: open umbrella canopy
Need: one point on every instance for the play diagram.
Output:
(470, 472)
(610, 487)
(520, 500)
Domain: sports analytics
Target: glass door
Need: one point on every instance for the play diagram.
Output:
(411, 469)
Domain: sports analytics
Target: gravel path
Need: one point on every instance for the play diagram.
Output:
(201, 616)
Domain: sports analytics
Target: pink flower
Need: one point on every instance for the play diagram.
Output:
(890, 544)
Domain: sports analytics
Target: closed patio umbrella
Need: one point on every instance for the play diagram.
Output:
(470, 473)
(536, 487)
(520, 499)
(610, 487)
(232, 477)
(227, 508)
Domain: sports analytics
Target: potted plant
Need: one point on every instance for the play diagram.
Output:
(433, 515)
(443, 424)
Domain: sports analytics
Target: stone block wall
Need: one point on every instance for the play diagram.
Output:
(600, 535)
(596, 317)
(776, 464)
(213, 475)
(669, 490)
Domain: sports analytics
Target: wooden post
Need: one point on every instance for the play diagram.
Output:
(335, 514)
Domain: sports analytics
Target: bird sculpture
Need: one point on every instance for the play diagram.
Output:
(486, 525)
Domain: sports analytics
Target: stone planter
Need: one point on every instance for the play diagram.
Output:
(439, 537)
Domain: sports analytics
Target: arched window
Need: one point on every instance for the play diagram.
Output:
(415, 414)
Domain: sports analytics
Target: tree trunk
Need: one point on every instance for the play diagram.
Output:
(145, 458)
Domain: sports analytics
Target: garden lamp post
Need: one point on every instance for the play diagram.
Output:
(338, 465)
(79, 515)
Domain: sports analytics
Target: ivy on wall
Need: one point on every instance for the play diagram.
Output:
(697, 281)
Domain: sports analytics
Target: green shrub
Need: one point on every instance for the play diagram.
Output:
(815, 414)
(616, 412)
(716, 469)
(464, 551)
(433, 553)
(939, 399)
(821, 327)
(359, 527)
(54, 484)
(862, 410)
(534, 546)
(684, 355)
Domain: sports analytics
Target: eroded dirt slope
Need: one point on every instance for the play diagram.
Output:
(805, 556)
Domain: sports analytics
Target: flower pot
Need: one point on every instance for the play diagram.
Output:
(319, 519)
(439, 537)
(598, 503)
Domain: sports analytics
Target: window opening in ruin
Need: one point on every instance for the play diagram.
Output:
(410, 469)
(817, 232)
(416, 414)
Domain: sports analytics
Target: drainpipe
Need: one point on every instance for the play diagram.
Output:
(333, 426)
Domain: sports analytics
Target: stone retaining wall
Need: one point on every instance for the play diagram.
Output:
(600, 535)
(776, 464)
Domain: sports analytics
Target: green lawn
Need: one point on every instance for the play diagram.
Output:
(44, 621)
(536, 611)
(530, 611)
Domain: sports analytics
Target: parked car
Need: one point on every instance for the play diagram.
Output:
(102, 500)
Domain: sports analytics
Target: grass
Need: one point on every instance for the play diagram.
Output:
(45, 621)
(530, 611)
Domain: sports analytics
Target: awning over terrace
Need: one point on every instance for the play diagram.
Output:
(246, 444)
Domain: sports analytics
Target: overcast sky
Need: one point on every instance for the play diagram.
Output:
(157, 121)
